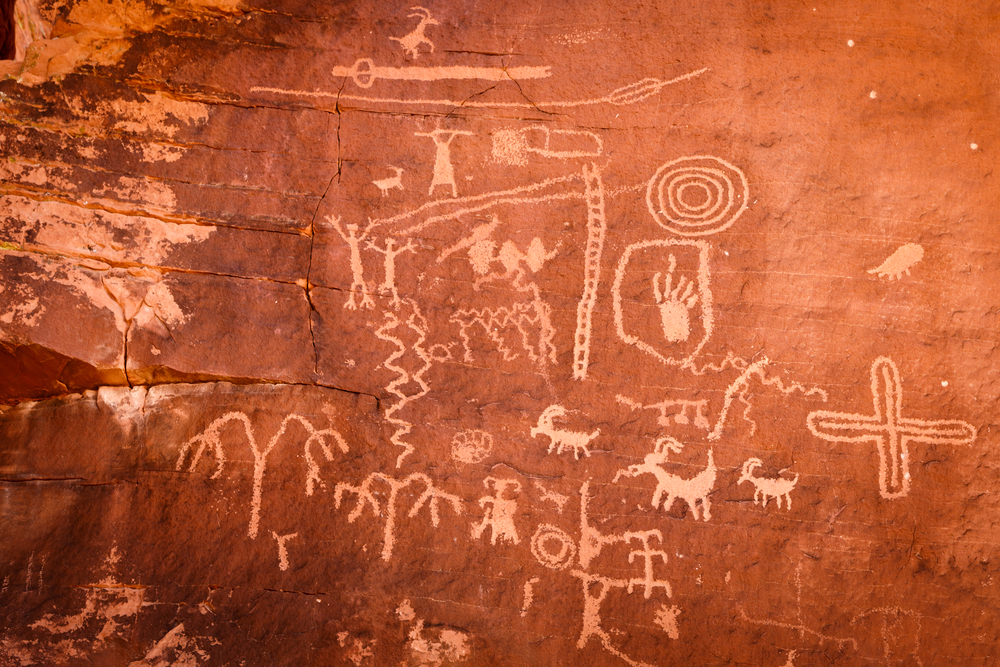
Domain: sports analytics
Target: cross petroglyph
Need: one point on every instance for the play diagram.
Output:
(889, 429)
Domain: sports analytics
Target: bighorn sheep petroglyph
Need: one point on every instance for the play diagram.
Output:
(563, 439)
(386, 184)
(767, 487)
(412, 41)
(690, 490)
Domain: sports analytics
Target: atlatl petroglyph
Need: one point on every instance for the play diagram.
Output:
(412, 40)
(560, 439)
(430, 497)
(900, 262)
(888, 429)
(444, 171)
(499, 517)
(513, 146)
(211, 438)
(767, 487)
(693, 491)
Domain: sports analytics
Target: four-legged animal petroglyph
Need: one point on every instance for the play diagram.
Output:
(899, 262)
(411, 41)
(386, 184)
(888, 429)
(767, 487)
(560, 438)
(366, 496)
(211, 437)
(692, 491)
(500, 515)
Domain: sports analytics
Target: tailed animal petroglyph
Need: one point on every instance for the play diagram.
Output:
(669, 413)
(675, 318)
(561, 439)
(697, 195)
(444, 171)
(471, 446)
(888, 429)
(411, 41)
(692, 491)
(211, 438)
(900, 262)
(365, 496)
(386, 184)
(499, 516)
(766, 487)
(354, 237)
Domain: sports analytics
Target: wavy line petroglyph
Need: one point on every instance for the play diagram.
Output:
(628, 94)
(365, 496)
(674, 325)
(888, 429)
(560, 439)
(692, 491)
(211, 438)
(767, 487)
(900, 262)
(499, 517)
(697, 195)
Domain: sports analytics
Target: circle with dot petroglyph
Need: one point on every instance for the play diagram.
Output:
(471, 446)
(542, 543)
(697, 195)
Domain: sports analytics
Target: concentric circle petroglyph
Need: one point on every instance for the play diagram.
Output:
(471, 446)
(697, 195)
(542, 542)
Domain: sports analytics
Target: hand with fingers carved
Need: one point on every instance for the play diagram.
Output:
(675, 302)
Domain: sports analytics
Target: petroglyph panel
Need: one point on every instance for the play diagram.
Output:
(496, 334)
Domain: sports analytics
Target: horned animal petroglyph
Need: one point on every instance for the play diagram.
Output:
(411, 41)
(559, 437)
(766, 486)
(386, 184)
(690, 490)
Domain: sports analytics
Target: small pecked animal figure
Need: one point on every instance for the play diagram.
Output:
(411, 41)
(386, 184)
(559, 437)
(692, 491)
(767, 487)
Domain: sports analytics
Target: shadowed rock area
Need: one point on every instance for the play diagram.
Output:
(591, 333)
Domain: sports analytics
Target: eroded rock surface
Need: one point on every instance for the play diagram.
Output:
(370, 334)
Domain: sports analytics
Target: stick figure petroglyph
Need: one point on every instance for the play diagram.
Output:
(388, 286)
(411, 41)
(674, 303)
(500, 516)
(354, 239)
(444, 172)
(888, 429)
(692, 491)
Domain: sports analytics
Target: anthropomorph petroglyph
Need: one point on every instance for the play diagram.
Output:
(411, 41)
(888, 429)
(900, 262)
(444, 172)
(386, 184)
(471, 446)
(560, 439)
(391, 250)
(767, 487)
(675, 301)
(283, 548)
(669, 412)
(354, 238)
(499, 517)
(692, 491)
(211, 438)
(366, 496)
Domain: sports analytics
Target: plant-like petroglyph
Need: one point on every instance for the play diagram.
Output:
(669, 412)
(444, 171)
(416, 325)
(697, 195)
(888, 429)
(596, 229)
(386, 184)
(365, 496)
(211, 438)
(411, 41)
(354, 237)
(767, 487)
(471, 446)
(900, 262)
(283, 548)
(666, 618)
(675, 301)
(692, 491)
(391, 250)
(499, 517)
(560, 439)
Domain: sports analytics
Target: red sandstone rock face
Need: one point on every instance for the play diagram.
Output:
(475, 334)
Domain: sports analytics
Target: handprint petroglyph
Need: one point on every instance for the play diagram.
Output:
(675, 303)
